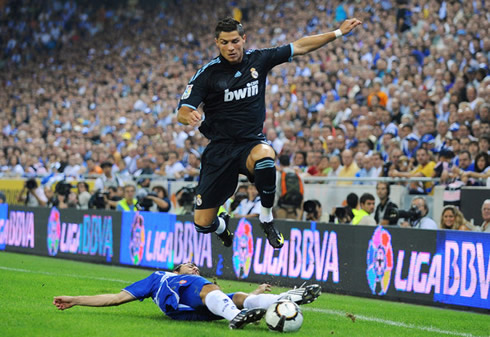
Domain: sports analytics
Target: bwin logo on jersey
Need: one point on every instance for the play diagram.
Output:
(252, 89)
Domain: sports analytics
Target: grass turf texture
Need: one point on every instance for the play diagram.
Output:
(29, 283)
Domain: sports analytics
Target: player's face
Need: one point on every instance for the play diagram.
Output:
(230, 46)
(189, 269)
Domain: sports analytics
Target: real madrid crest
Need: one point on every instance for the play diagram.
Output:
(198, 200)
(254, 73)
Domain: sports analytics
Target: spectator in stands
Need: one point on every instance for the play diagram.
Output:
(452, 218)
(336, 167)
(173, 168)
(383, 215)
(349, 168)
(191, 171)
(363, 216)
(129, 202)
(324, 166)
(424, 169)
(423, 221)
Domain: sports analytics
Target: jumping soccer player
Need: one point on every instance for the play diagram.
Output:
(185, 295)
(232, 90)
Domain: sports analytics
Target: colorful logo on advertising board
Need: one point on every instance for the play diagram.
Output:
(158, 240)
(243, 249)
(379, 261)
(54, 232)
(137, 242)
(3, 222)
(92, 236)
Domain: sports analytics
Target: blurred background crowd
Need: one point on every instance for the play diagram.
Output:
(90, 89)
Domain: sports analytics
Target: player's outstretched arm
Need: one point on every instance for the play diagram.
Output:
(261, 289)
(188, 116)
(106, 300)
(310, 43)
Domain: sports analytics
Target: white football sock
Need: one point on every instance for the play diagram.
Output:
(221, 305)
(265, 214)
(262, 301)
(221, 227)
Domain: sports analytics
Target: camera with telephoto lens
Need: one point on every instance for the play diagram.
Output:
(186, 199)
(63, 188)
(144, 202)
(412, 215)
(31, 184)
(239, 196)
(309, 206)
(97, 200)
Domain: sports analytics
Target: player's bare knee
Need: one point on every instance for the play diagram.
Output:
(259, 152)
(262, 151)
(205, 217)
(206, 289)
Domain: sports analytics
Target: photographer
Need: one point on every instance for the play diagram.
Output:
(385, 206)
(185, 200)
(106, 200)
(418, 218)
(250, 206)
(32, 194)
(313, 210)
(63, 197)
(345, 214)
(159, 196)
(232, 203)
(155, 201)
(129, 202)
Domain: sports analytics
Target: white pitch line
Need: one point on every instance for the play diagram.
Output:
(66, 275)
(324, 311)
(388, 322)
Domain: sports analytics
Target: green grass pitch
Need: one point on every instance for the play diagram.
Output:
(29, 283)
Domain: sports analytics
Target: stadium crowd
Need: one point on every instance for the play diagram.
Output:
(91, 89)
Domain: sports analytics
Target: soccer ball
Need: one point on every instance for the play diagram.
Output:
(284, 316)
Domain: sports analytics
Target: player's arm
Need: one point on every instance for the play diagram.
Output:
(105, 300)
(188, 116)
(310, 43)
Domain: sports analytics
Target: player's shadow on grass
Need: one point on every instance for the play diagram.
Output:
(141, 317)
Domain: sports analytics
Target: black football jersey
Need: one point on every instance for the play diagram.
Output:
(233, 95)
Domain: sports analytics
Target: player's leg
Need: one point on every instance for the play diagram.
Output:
(207, 221)
(221, 305)
(301, 295)
(261, 164)
(217, 182)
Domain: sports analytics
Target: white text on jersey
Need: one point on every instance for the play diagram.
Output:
(252, 89)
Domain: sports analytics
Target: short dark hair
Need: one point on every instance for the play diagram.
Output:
(284, 160)
(365, 197)
(177, 269)
(106, 164)
(228, 24)
(352, 200)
